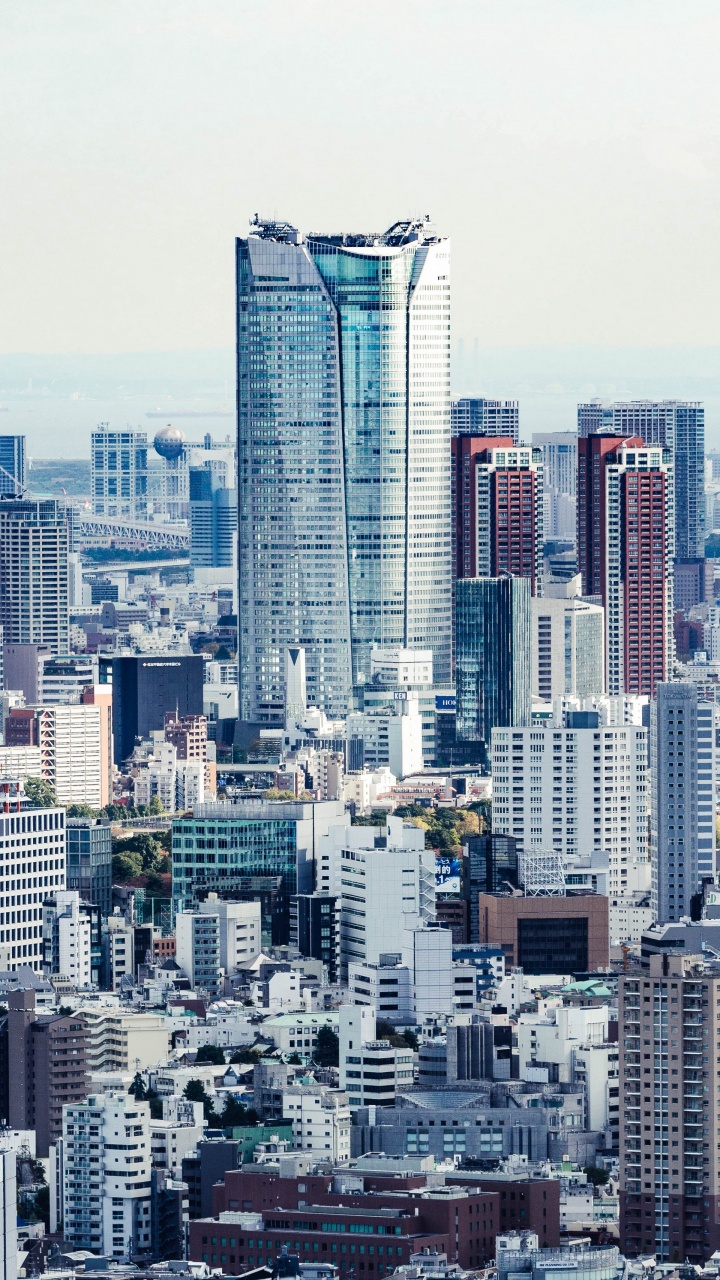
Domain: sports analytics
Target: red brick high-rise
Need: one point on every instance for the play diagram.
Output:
(497, 509)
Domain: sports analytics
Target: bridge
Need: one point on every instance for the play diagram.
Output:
(100, 531)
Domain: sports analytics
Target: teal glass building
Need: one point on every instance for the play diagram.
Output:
(493, 658)
(344, 539)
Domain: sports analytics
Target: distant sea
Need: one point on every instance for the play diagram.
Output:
(56, 400)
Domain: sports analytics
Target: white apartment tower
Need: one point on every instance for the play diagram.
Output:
(239, 930)
(106, 1176)
(32, 865)
(568, 648)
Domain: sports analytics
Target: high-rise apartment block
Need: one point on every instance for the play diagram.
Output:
(497, 490)
(558, 450)
(568, 647)
(343, 456)
(32, 864)
(476, 416)
(492, 656)
(8, 1214)
(669, 1033)
(679, 425)
(67, 937)
(106, 1176)
(119, 473)
(35, 544)
(576, 790)
(12, 466)
(683, 762)
(626, 532)
(45, 1061)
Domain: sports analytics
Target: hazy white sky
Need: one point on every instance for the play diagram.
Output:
(569, 147)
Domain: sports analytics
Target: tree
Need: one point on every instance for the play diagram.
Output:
(248, 1055)
(126, 866)
(195, 1092)
(598, 1177)
(273, 793)
(385, 1030)
(82, 811)
(156, 806)
(295, 1060)
(210, 1053)
(40, 792)
(234, 1114)
(137, 1088)
(327, 1052)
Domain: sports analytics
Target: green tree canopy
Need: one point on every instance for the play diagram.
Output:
(210, 1053)
(195, 1092)
(40, 792)
(125, 866)
(327, 1052)
(137, 1088)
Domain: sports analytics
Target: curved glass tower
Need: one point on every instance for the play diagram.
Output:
(343, 457)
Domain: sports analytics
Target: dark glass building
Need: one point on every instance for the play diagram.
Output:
(492, 867)
(12, 465)
(318, 929)
(144, 688)
(492, 657)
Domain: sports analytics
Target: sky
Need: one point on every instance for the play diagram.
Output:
(569, 147)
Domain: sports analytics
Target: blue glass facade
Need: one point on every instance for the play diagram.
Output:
(343, 457)
(492, 657)
(12, 465)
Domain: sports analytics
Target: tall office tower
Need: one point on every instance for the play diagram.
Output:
(492, 657)
(497, 492)
(542, 783)
(35, 542)
(12, 466)
(568, 648)
(680, 426)
(119, 473)
(343, 457)
(89, 861)
(475, 416)
(144, 688)
(683, 761)
(559, 464)
(213, 517)
(626, 533)
(669, 1159)
(492, 867)
(106, 1176)
(33, 866)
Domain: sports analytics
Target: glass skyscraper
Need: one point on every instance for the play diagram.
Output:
(343, 345)
(12, 466)
(492, 656)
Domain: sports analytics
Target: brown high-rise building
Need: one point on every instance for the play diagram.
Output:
(45, 1058)
(547, 934)
(669, 1033)
(626, 538)
(497, 508)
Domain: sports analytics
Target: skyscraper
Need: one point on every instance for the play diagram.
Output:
(497, 490)
(476, 416)
(343, 456)
(568, 642)
(559, 463)
(213, 518)
(35, 543)
(119, 473)
(680, 426)
(626, 533)
(492, 657)
(682, 823)
(12, 466)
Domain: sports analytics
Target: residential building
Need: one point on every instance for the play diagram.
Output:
(371, 1070)
(668, 1177)
(568, 647)
(144, 688)
(106, 1176)
(543, 780)
(239, 930)
(12, 466)
(679, 425)
(72, 742)
(683, 771)
(67, 937)
(35, 544)
(119, 473)
(213, 517)
(62, 678)
(89, 860)
(169, 1215)
(316, 930)
(19, 763)
(123, 1041)
(492, 657)
(270, 849)
(32, 865)
(197, 950)
(387, 737)
(8, 1206)
(497, 490)
(376, 556)
(626, 536)
(320, 1119)
(476, 416)
(558, 934)
(45, 1060)
(298, 1032)
(559, 464)
(118, 951)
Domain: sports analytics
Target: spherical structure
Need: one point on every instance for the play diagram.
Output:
(169, 442)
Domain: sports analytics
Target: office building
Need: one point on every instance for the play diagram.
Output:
(67, 937)
(169, 1215)
(45, 1060)
(372, 1071)
(197, 950)
(320, 1121)
(492, 657)
(239, 930)
(269, 851)
(669, 1031)
(8, 1214)
(89, 860)
(683, 767)
(626, 535)
(679, 425)
(359, 554)
(497, 491)
(316, 930)
(35, 544)
(492, 866)
(12, 466)
(558, 451)
(543, 781)
(568, 647)
(559, 934)
(389, 736)
(144, 688)
(106, 1176)
(32, 865)
(213, 517)
(475, 416)
(21, 668)
(119, 473)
